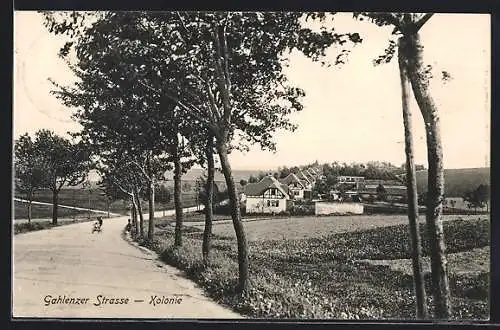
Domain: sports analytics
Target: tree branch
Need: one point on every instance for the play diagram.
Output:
(182, 23)
(213, 104)
(141, 169)
(222, 79)
(422, 21)
(226, 56)
(62, 182)
(120, 187)
(191, 109)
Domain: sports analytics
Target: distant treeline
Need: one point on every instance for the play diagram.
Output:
(369, 170)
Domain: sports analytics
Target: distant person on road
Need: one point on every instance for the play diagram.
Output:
(99, 223)
(128, 227)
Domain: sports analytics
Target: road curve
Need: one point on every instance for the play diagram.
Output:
(67, 272)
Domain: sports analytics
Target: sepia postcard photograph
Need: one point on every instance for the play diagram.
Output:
(251, 165)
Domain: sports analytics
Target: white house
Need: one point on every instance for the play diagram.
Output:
(267, 196)
(295, 186)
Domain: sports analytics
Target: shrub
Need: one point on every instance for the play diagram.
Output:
(27, 227)
(473, 287)
(302, 210)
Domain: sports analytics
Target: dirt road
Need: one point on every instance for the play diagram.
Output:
(67, 272)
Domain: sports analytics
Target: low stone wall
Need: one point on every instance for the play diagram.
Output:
(325, 208)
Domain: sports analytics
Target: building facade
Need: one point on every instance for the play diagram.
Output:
(267, 196)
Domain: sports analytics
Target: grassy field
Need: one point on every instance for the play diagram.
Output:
(82, 198)
(78, 198)
(42, 217)
(352, 267)
(44, 211)
(311, 226)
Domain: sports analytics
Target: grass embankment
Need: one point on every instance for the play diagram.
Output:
(42, 214)
(94, 199)
(21, 227)
(328, 276)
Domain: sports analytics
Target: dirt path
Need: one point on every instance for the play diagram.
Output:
(70, 262)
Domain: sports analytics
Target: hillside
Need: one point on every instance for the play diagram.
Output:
(458, 181)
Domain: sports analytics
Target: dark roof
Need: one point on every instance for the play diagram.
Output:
(258, 188)
(291, 178)
(304, 182)
(309, 174)
(303, 175)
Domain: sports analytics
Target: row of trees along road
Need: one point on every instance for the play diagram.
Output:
(177, 88)
(48, 161)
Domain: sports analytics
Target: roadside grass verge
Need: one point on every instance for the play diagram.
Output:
(322, 277)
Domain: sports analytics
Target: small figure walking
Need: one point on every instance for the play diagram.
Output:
(128, 227)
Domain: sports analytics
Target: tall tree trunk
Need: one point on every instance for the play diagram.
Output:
(151, 196)
(108, 206)
(441, 290)
(55, 204)
(29, 211)
(139, 211)
(236, 216)
(411, 191)
(209, 190)
(134, 217)
(30, 200)
(177, 194)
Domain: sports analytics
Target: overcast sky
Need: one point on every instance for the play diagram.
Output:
(351, 113)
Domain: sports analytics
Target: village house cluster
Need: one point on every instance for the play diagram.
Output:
(271, 195)
(277, 195)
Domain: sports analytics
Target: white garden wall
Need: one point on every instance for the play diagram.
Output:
(325, 208)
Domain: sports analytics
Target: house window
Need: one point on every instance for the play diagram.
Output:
(273, 203)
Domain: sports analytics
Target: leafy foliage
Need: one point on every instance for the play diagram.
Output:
(478, 197)
(179, 57)
(30, 173)
(64, 162)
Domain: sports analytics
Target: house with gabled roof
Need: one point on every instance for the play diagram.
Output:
(295, 185)
(312, 174)
(267, 196)
(305, 178)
